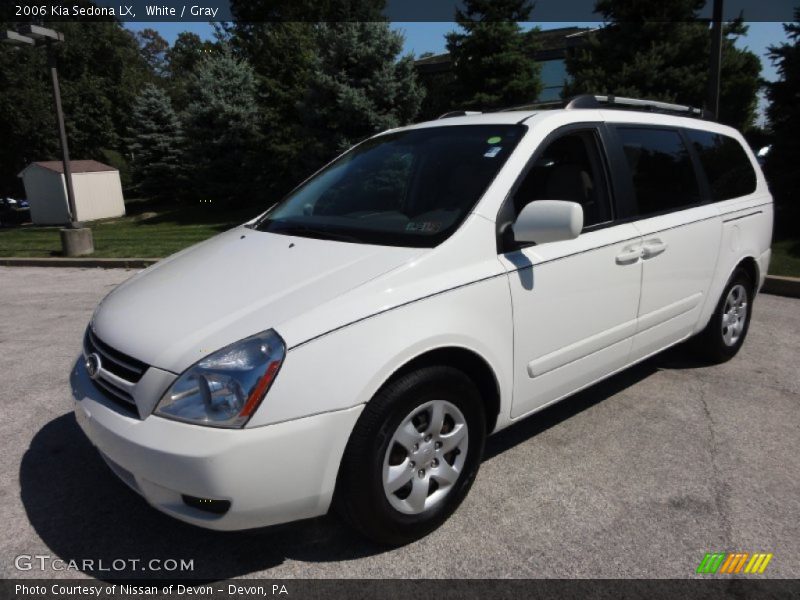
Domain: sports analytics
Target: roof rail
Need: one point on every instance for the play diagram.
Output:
(459, 113)
(598, 101)
(533, 106)
(610, 101)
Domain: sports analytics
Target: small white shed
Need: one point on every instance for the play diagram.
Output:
(98, 191)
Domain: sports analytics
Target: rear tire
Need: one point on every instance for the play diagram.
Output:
(727, 329)
(412, 456)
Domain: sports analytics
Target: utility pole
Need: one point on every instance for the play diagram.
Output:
(715, 63)
(62, 131)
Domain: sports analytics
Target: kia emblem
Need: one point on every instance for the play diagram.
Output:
(93, 365)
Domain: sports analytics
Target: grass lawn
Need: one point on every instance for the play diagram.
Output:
(149, 234)
(155, 232)
(785, 258)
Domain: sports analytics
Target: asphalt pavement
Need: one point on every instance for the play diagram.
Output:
(638, 476)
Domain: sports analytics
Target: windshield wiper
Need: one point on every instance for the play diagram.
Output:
(314, 232)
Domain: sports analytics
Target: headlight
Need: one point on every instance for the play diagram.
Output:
(225, 388)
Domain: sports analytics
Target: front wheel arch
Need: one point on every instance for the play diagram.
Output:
(360, 498)
(472, 364)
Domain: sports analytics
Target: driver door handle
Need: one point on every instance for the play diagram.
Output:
(629, 254)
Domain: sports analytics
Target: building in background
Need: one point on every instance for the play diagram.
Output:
(554, 45)
(98, 191)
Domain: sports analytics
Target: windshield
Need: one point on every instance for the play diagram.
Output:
(409, 188)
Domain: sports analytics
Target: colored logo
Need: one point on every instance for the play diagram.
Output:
(734, 562)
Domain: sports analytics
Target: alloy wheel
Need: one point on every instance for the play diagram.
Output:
(734, 314)
(425, 457)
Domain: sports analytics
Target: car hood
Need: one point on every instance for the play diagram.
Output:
(232, 286)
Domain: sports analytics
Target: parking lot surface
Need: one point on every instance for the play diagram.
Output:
(638, 476)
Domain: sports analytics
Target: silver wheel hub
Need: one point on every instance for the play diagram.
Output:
(425, 457)
(734, 315)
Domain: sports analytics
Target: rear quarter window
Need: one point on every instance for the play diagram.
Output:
(729, 171)
(661, 169)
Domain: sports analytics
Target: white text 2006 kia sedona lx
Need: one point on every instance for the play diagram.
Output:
(355, 344)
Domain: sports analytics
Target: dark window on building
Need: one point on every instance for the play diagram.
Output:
(730, 173)
(570, 168)
(553, 76)
(661, 169)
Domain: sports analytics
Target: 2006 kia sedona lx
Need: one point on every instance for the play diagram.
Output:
(355, 344)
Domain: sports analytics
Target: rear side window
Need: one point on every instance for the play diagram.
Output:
(661, 169)
(730, 173)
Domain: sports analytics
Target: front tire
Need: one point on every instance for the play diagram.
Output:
(412, 456)
(725, 333)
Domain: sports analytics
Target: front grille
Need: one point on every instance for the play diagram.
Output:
(114, 361)
(115, 393)
(118, 373)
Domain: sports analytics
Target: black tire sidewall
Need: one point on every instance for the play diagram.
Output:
(714, 339)
(361, 481)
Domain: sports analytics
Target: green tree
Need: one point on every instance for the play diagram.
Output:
(783, 161)
(282, 55)
(101, 72)
(357, 88)
(154, 50)
(222, 128)
(493, 59)
(660, 51)
(156, 145)
(181, 59)
(27, 117)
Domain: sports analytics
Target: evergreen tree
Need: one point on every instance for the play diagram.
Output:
(156, 145)
(357, 88)
(783, 161)
(222, 128)
(282, 55)
(493, 59)
(101, 72)
(660, 51)
(279, 39)
(181, 60)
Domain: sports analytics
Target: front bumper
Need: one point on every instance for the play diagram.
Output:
(271, 474)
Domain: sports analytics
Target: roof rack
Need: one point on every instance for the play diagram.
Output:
(598, 101)
(459, 113)
(534, 106)
(610, 101)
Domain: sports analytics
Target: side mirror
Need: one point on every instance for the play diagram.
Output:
(548, 221)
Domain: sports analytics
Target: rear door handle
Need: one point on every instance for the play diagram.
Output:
(629, 254)
(653, 248)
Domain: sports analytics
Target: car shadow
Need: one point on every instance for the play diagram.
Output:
(83, 513)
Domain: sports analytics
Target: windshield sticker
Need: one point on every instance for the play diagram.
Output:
(495, 139)
(424, 226)
(493, 151)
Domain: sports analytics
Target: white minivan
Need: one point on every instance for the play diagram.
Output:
(354, 345)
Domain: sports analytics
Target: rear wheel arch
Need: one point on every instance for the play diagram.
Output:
(730, 314)
(750, 266)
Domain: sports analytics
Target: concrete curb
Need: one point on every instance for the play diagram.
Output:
(774, 284)
(782, 286)
(84, 263)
